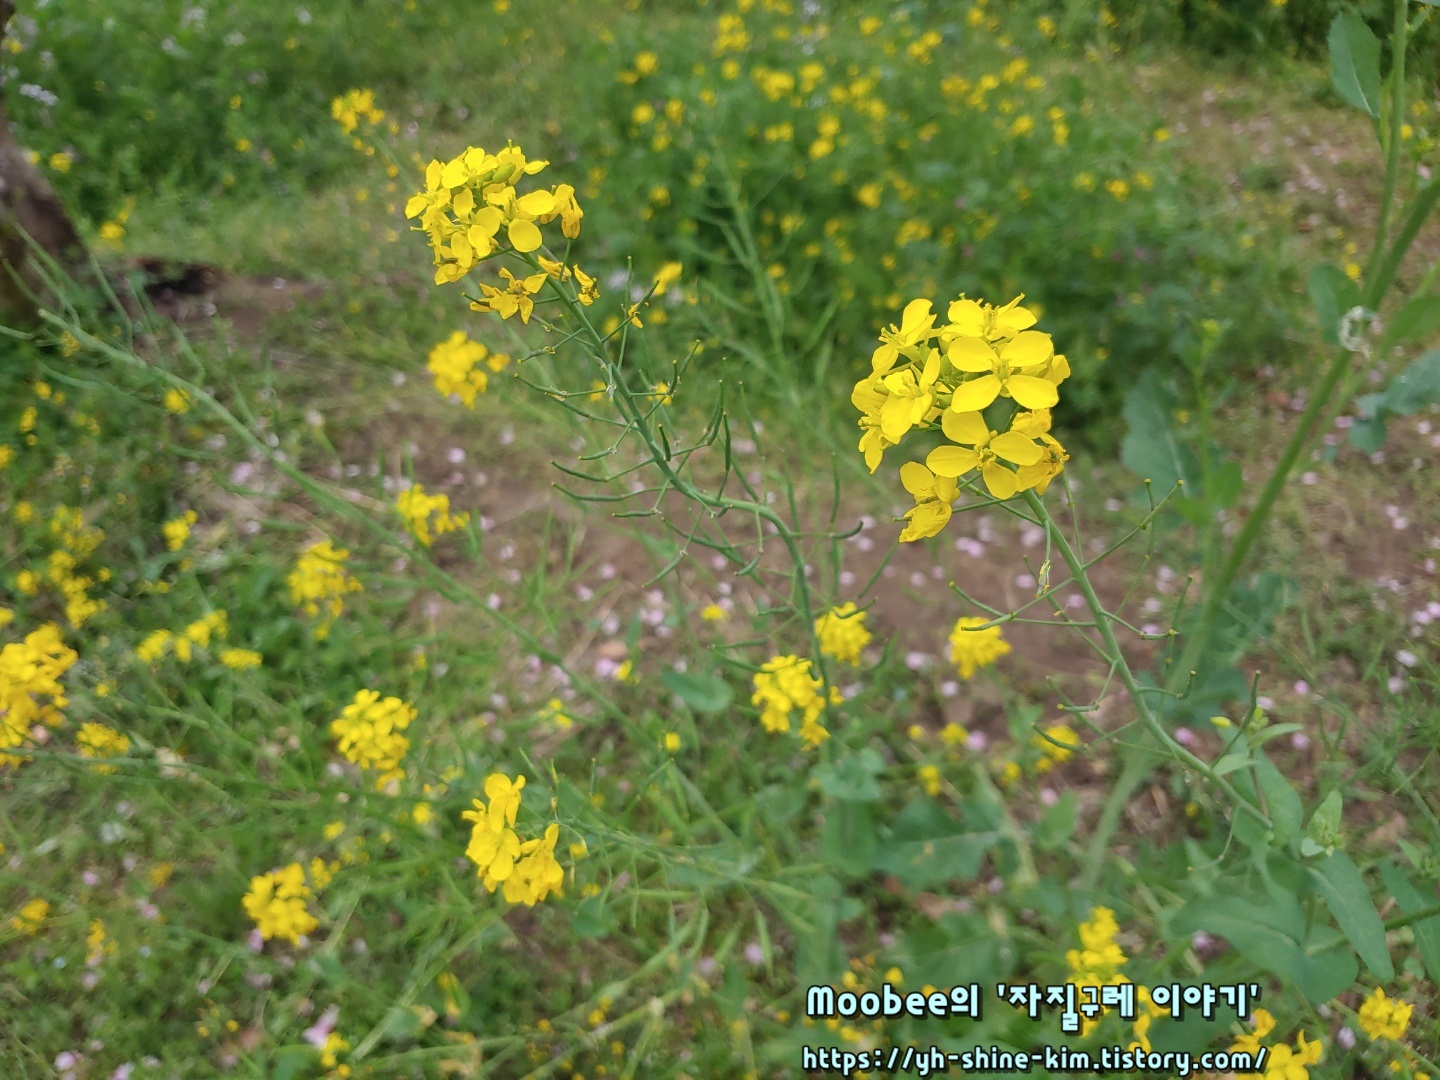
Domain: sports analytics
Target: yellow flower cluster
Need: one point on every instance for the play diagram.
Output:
(198, 633)
(455, 362)
(100, 741)
(1057, 743)
(30, 690)
(1099, 959)
(97, 945)
(1283, 1062)
(75, 542)
(177, 530)
(784, 685)
(417, 508)
(276, 901)
(1384, 1018)
(240, 659)
(1098, 962)
(369, 733)
(470, 200)
(319, 582)
(842, 633)
(31, 917)
(972, 649)
(353, 106)
(984, 359)
(526, 870)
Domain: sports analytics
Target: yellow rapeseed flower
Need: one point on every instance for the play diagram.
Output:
(319, 582)
(368, 733)
(177, 530)
(30, 689)
(99, 741)
(842, 633)
(422, 512)
(972, 649)
(31, 917)
(454, 364)
(1384, 1018)
(276, 902)
(784, 685)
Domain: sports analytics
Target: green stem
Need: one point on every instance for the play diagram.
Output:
(1397, 921)
(1397, 118)
(714, 503)
(1104, 623)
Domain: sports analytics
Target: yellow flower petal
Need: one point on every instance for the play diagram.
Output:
(1031, 392)
(967, 428)
(1000, 480)
(525, 236)
(972, 354)
(1029, 348)
(952, 461)
(976, 394)
(1016, 448)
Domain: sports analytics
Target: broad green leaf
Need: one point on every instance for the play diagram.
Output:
(956, 949)
(1367, 436)
(1266, 934)
(705, 693)
(926, 847)
(1270, 934)
(592, 918)
(1426, 931)
(1416, 387)
(1418, 319)
(1229, 763)
(292, 1061)
(1272, 732)
(1339, 882)
(1324, 826)
(1333, 294)
(1056, 823)
(849, 841)
(814, 920)
(1151, 449)
(1355, 62)
(1327, 972)
(1286, 814)
(852, 777)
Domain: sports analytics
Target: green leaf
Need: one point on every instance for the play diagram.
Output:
(1367, 436)
(1338, 881)
(1056, 823)
(1355, 62)
(1333, 294)
(290, 1061)
(957, 949)
(1410, 899)
(850, 840)
(1270, 933)
(926, 847)
(1416, 387)
(1151, 449)
(1418, 319)
(852, 777)
(1266, 934)
(592, 918)
(705, 693)
(1286, 814)
(1229, 763)
(814, 919)
(1324, 827)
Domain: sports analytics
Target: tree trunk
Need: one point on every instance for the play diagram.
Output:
(28, 207)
